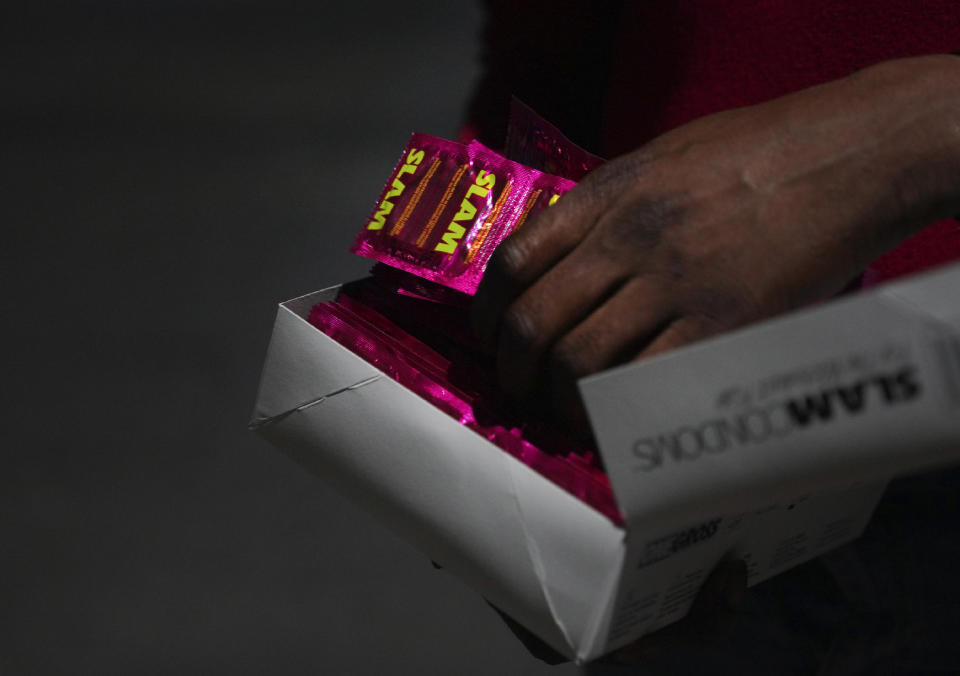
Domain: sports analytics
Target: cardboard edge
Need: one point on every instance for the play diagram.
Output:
(904, 297)
(910, 291)
(404, 506)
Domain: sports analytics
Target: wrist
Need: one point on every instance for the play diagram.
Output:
(849, 169)
(922, 135)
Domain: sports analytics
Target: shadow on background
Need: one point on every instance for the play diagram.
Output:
(171, 170)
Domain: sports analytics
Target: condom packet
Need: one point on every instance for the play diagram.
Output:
(405, 284)
(535, 142)
(418, 306)
(371, 320)
(447, 206)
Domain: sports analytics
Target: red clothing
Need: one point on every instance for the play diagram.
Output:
(887, 603)
(677, 61)
(615, 77)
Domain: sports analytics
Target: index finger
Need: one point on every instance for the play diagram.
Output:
(528, 254)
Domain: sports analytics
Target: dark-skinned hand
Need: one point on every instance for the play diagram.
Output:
(729, 219)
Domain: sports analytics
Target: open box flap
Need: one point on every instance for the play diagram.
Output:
(296, 365)
(859, 389)
(935, 295)
(529, 547)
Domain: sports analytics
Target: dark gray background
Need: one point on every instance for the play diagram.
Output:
(170, 171)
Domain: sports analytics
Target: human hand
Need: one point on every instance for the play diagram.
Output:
(735, 217)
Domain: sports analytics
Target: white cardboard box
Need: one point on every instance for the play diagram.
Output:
(773, 443)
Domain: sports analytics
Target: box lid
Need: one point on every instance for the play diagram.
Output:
(858, 389)
(528, 546)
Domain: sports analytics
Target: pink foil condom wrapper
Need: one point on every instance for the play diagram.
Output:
(451, 376)
(535, 142)
(447, 206)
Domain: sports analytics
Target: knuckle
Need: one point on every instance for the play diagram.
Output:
(719, 308)
(638, 229)
(610, 180)
(509, 260)
(519, 326)
(647, 219)
(567, 358)
(688, 330)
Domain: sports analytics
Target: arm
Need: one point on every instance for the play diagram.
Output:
(735, 217)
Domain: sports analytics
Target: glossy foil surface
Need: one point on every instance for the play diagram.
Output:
(425, 346)
(447, 206)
